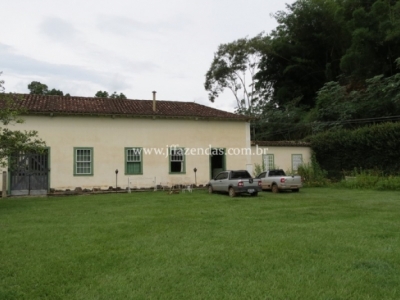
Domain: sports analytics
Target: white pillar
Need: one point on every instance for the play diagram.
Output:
(4, 189)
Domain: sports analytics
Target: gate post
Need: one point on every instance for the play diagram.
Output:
(4, 189)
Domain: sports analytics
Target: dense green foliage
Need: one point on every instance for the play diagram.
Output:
(304, 51)
(327, 63)
(13, 141)
(372, 147)
(320, 243)
(233, 68)
(312, 174)
(378, 101)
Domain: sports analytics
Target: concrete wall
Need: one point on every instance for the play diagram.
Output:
(109, 136)
(282, 155)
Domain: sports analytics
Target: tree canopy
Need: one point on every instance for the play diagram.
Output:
(37, 88)
(13, 141)
(104, 94)
(234, 67)
(324, 61)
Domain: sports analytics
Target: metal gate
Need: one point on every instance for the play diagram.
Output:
(29, 173)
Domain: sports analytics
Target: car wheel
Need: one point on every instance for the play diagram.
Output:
(275, 189)
(232, 192)
(210, 189)
(254, 194)
(295, 190)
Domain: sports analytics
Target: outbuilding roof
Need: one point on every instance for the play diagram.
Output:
(281, 143)
(62, 105)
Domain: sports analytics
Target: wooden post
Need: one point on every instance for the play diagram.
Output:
(4, 189)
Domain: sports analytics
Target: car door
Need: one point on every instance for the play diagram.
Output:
(219, 182)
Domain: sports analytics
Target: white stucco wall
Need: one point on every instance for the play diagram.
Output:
(282, 155)
(109, 136)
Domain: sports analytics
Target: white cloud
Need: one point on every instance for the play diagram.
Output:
(133, 47)
(59, 30)
(126, 26)
(16, 64)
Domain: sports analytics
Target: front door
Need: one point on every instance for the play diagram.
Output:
(29, 173)
(217, 161)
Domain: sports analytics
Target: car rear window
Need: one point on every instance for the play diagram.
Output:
(276, 173)
(240, 175)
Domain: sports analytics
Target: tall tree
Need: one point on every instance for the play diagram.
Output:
(12, 141)
(233, 68)
(304, 51)
(324, 61)
(318, 41)
(375, 38)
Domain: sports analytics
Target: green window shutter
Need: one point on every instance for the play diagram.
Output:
(133, 161)
(133, 168)
(83, 161)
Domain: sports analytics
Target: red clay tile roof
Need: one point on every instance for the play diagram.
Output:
(281, 143)
(38, 104)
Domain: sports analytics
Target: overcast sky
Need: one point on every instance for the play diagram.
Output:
(133, 47)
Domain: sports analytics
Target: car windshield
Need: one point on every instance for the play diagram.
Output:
(240, 175)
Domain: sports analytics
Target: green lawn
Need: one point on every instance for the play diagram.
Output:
(320, 243)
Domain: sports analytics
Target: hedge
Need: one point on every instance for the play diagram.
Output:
(371, 147)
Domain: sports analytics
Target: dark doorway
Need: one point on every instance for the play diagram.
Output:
(29, 173)
(217, 161)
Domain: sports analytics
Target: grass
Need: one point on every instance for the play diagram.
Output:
(321, 243)
(371, 179)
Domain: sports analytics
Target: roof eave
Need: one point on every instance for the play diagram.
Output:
(146, 116)
(280, 143)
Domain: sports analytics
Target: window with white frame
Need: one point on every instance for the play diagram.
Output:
(133, 161)
(269, 162)
(177, 160)
(297, 160)
(83, 161)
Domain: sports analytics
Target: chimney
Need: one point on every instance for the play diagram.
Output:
(154, 100)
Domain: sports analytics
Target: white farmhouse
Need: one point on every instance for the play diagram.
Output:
(149, 142)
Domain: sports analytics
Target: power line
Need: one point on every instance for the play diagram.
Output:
(302, 126)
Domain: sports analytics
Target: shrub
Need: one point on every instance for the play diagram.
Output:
(370, 179)
(391, 183)
(258, 169)
(313, 174)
